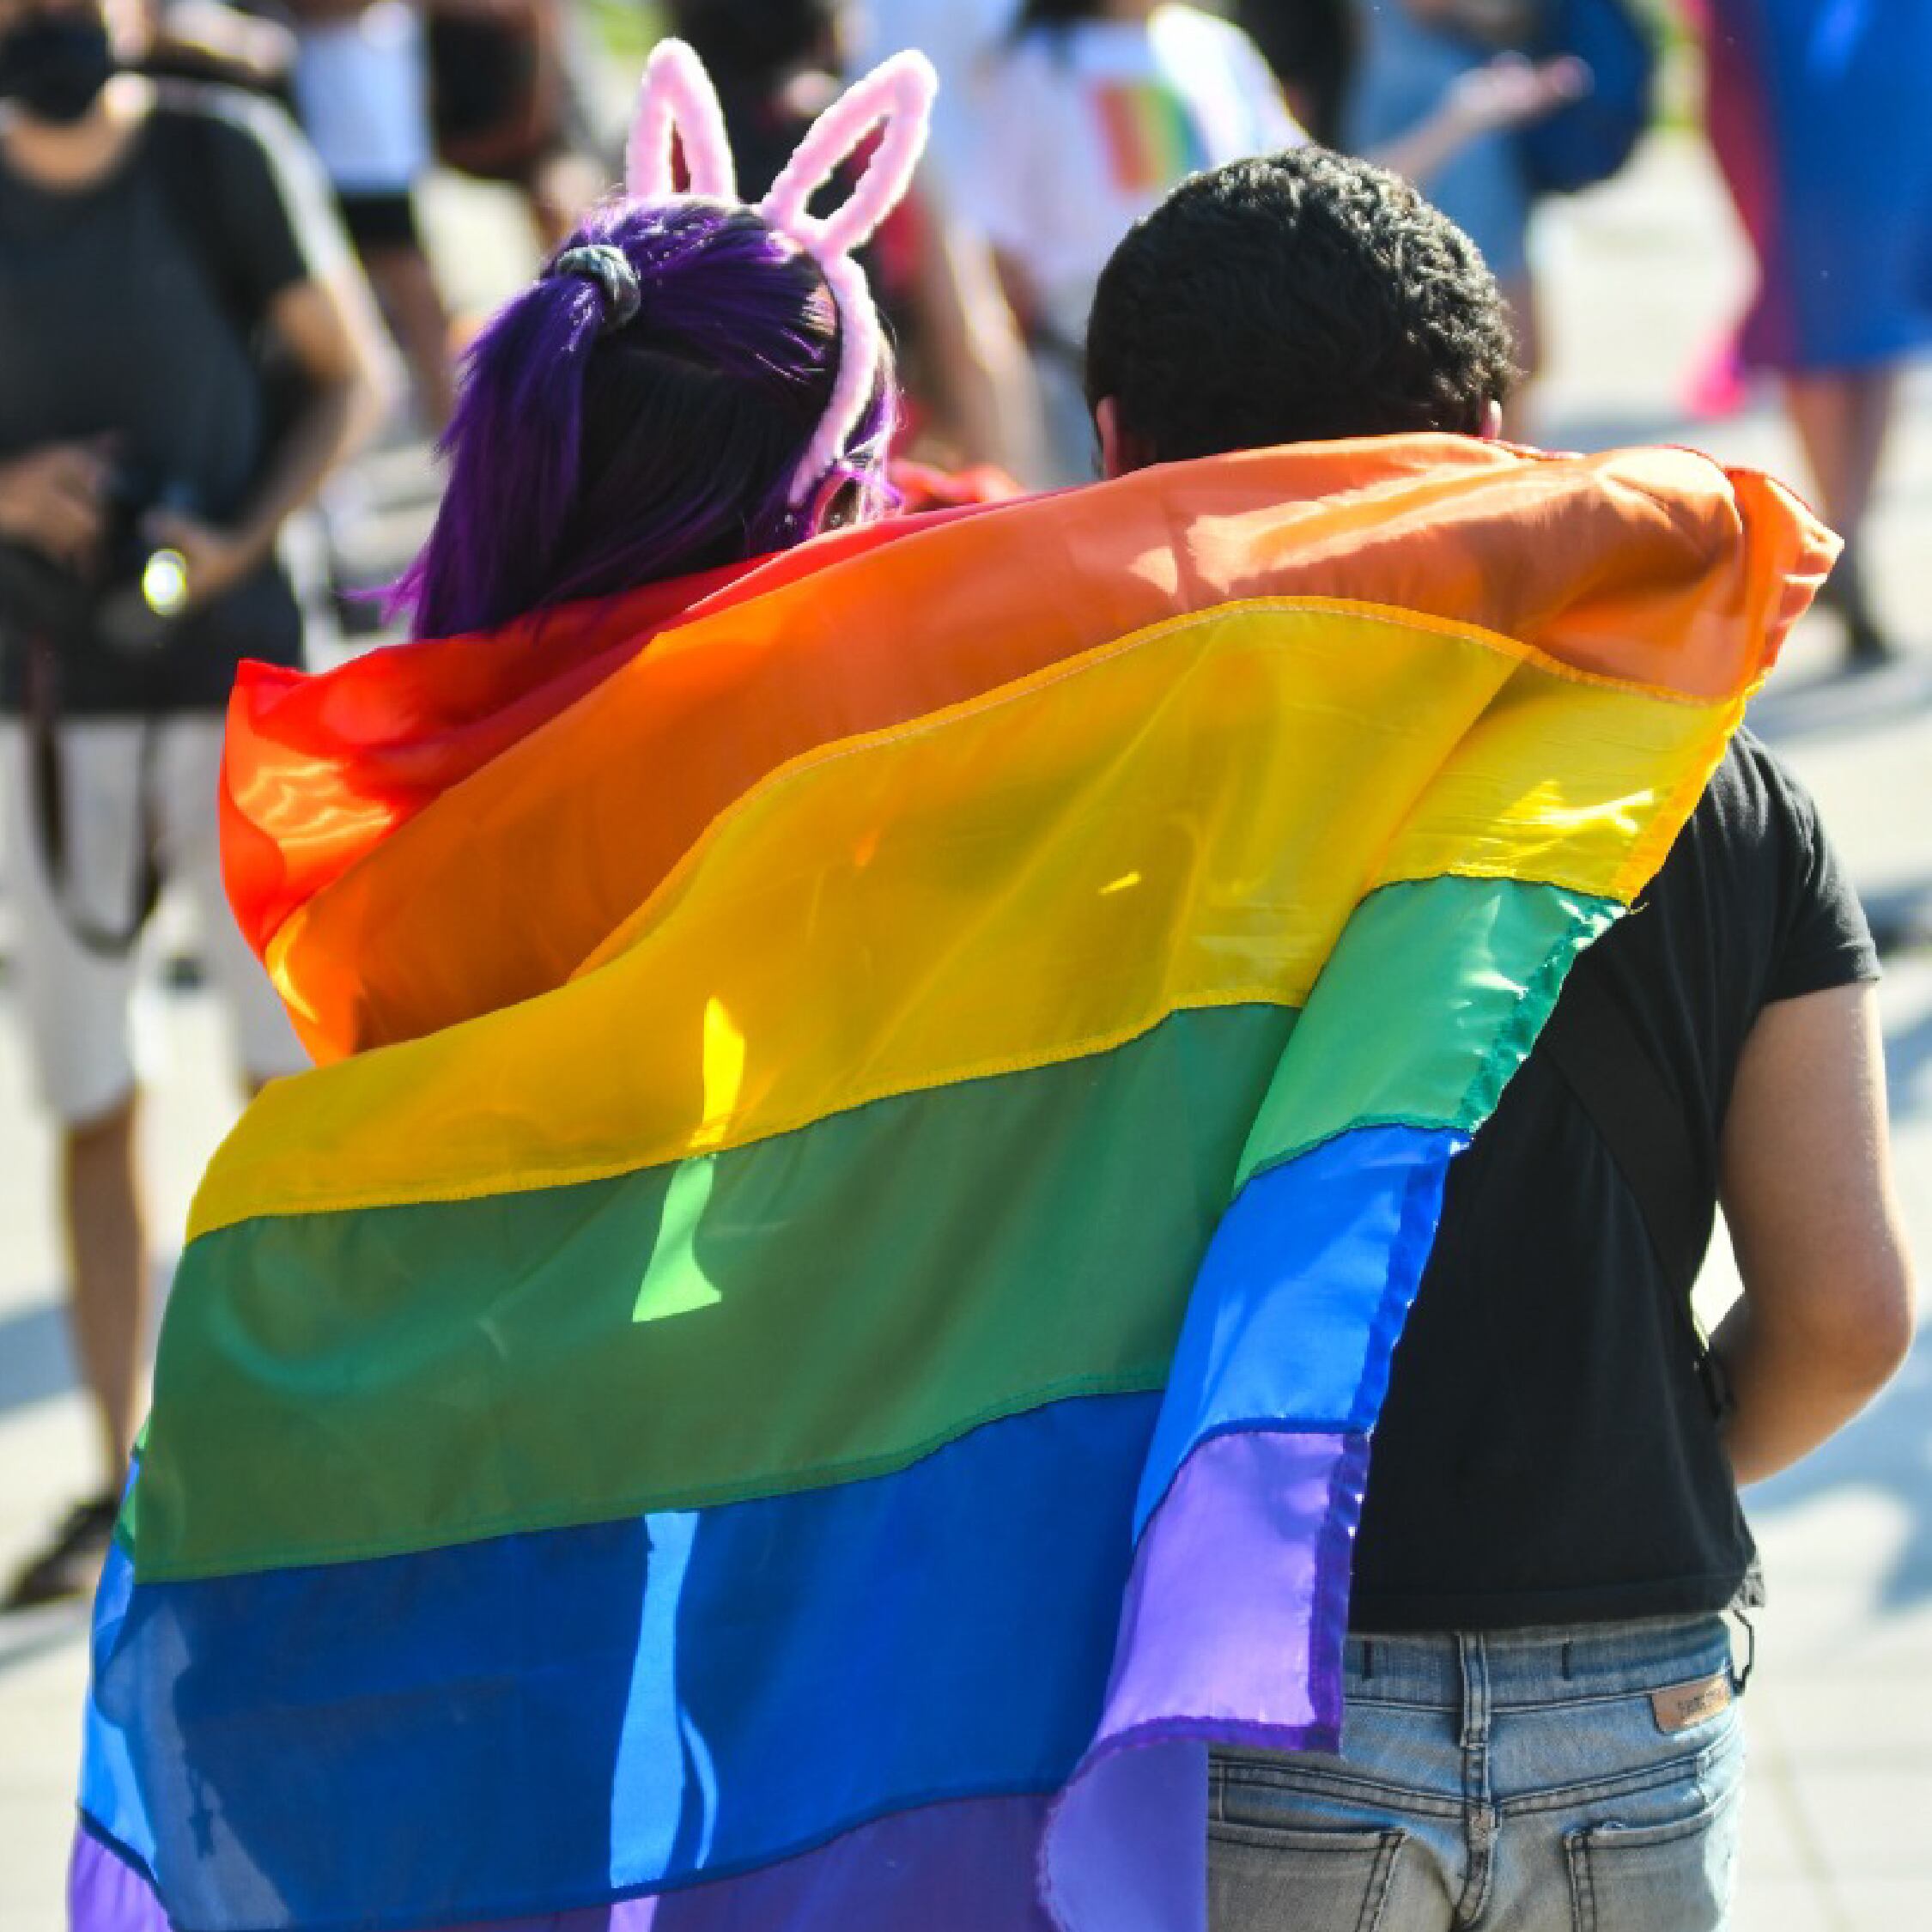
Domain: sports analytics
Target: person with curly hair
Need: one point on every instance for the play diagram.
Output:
(1538, 1684)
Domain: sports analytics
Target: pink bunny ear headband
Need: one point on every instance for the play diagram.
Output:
(676, 101)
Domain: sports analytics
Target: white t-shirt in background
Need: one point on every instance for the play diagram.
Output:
(1080, 132)
(362, 92)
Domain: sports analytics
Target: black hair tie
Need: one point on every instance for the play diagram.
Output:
(617, 280)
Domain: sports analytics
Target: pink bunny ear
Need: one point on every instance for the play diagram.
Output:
(675, 99)
(895, 97)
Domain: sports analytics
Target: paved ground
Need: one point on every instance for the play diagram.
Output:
(1641, 276)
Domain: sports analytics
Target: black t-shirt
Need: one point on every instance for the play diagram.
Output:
(1547, 1453)
(129, 309)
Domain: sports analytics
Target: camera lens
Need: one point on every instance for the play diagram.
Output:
(164, 583)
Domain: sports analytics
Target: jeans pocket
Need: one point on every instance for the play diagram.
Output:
(1280, 1877)
(1641, 1878)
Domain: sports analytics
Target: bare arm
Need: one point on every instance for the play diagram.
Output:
(345, 367)
(1509, 92)
(1828, 1306)
(980, 364)
(328, 328)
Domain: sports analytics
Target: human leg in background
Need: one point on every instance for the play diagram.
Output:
(1826, 148)
(106, 1241)
(75, 1002)
(108, 1298)
(1841, 417)
(411, 302)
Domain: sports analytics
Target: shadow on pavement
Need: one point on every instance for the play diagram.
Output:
(1901, 919)
(1887, 1452)
(1588, 432)
(36, 1355)
(1908, 1065)
(36, 1361)
(1840, 703)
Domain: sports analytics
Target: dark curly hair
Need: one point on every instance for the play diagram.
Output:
(1296, 297)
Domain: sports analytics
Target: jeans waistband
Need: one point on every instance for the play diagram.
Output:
(1531, 1666)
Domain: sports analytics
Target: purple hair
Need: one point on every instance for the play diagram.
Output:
(583, 463)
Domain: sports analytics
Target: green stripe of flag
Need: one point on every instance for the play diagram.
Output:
(827, 1305)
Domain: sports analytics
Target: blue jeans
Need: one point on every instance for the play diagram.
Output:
(1550, 1780)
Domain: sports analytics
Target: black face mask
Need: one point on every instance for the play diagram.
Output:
(55, 64)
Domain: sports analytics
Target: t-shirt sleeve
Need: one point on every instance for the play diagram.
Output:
(279, 223)
(1824, 938)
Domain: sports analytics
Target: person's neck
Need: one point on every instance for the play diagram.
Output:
(78, 153)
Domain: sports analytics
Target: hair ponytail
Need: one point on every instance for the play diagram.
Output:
(590, 453)
(693, 381)
(528, 366)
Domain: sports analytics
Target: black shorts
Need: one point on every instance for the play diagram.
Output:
(380, 221)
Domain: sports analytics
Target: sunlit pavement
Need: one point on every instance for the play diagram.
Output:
(1639, 279)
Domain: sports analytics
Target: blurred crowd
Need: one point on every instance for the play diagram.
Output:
(1063, 120)
(1060, 123)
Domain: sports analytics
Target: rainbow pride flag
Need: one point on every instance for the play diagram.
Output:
(816, 1339)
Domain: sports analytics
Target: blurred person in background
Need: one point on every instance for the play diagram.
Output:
(1096, 108)
(1084, 116)
(775, 64)
(157, 243)
(507, 104)
(362, 94)
(967, 388)
(1819, 117)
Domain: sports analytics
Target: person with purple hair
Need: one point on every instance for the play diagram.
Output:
(689, 382)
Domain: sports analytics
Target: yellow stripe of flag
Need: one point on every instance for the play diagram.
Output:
(1183, 818)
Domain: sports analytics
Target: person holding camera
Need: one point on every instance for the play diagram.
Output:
(187, 353)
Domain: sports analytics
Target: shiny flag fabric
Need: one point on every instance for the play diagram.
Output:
(819, 1340)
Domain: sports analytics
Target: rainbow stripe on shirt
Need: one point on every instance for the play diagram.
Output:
(1151, 135)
